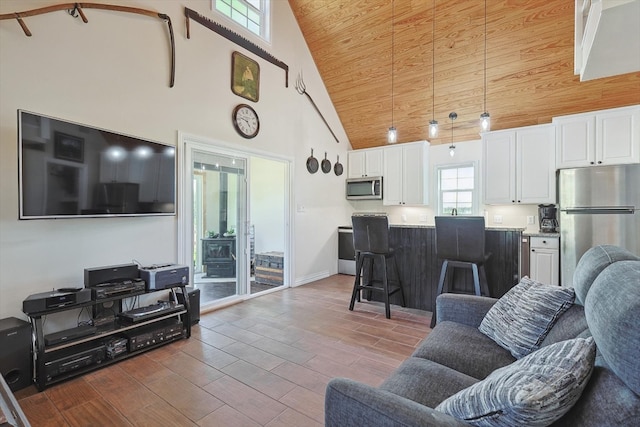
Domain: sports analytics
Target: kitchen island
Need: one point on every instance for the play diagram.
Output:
(419, 267)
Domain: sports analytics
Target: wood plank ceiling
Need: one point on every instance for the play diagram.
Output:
(529, 65)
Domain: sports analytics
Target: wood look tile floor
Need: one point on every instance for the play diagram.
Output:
(263, 362)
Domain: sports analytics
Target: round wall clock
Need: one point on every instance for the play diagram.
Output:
(246, 121)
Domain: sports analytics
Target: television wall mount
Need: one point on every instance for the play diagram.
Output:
(76, 9)
(235, 38)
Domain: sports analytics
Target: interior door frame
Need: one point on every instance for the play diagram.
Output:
(187, 142)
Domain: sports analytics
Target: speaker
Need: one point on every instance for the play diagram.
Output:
(96, 275)
(194, 302)
(15, 353)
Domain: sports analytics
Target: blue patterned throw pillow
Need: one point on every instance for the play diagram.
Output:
(535, 391)
(522, 318)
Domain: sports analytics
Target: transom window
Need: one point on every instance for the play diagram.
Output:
(457, 189)
(251, 14)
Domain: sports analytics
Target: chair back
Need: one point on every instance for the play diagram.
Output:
(460, 238)
(371, 233)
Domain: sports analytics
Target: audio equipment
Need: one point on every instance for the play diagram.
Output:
(69, 334)
(119, 288)
(73, 361)
(116, 346)
(164, 276)
(112, 273)
(155, 333)
(15, 353)
(152, 311)
(194, 302)
(54, 299)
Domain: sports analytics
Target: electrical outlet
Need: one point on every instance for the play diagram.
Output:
(531, 220)
(423, 218)
(404, 218)
(497, 219)
(300, 208)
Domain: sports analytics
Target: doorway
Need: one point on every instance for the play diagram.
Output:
(235, 228)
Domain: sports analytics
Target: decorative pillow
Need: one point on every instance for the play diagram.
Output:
(534, 391)
(522, 318)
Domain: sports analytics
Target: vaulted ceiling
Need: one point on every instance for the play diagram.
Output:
(529, 65)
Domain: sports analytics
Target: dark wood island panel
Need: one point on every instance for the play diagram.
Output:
(419, 267)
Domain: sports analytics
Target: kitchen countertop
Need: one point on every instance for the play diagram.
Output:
(489, 228)
(541, 234)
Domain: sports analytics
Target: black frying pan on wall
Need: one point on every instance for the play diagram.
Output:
(337, 168)
(312, 163)
(326, 164)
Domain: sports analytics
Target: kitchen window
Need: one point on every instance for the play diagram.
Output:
(251, 14)
(457, 189)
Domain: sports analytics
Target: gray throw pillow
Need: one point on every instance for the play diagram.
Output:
(536, 390)
(522, 318)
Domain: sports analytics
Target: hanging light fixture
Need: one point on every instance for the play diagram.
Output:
(433, 124)
(392, 134)
(452, 148)
(485, 118)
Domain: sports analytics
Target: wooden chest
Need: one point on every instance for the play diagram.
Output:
(269, 268)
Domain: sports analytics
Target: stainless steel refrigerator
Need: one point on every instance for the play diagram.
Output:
(598, 205)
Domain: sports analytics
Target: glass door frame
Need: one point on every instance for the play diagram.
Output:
(187, 143)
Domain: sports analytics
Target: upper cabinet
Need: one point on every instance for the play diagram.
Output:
(405, 174)
(603, 137)
(519, 165)
(366, 162)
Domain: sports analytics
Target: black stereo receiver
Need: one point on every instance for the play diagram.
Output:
(155, 333)
(54, 299)
(74, 361)
(119, 288)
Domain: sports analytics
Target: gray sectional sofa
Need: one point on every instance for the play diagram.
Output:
(456, 355)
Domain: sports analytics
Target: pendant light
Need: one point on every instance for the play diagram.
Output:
(485, 118)
(392, 134)
(433, 124)
(452, 148)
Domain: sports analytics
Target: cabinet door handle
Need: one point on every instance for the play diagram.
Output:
(544, 241)
(533, 250)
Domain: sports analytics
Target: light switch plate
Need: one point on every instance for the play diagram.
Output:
(497, 219)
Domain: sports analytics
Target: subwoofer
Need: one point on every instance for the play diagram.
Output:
(15, 352)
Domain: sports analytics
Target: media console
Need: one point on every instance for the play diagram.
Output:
(66, 354)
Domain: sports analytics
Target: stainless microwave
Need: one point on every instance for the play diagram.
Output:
(367, 188)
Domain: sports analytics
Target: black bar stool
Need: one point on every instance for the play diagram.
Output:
(371, 244)
(460, 243)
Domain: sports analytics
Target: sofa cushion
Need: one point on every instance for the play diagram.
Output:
(426, 382)
(463, 348)
(571, 324)
(521, 319)
(534, 391)
(592, 262)
(612, 309)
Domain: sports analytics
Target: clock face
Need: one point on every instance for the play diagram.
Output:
(246, 121)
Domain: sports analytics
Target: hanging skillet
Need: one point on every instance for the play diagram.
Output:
(337, 168)
(326, 164)
(312, 163)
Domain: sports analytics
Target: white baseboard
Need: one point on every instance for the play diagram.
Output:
(311, 278)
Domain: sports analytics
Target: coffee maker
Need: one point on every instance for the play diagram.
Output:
(547, 216)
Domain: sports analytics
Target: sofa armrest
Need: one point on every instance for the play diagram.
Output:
(350, 403)
(462, 308)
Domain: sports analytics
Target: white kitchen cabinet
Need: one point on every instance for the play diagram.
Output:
(606, 137)
(366, 162)
(544, 260)
(519, 166)
(405, 174)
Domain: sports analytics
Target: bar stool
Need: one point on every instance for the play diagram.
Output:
(371, 244)
(460, 243)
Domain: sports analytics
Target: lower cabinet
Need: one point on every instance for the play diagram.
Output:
(544, 260)
(62, 355)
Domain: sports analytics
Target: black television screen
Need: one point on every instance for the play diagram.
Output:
(71, 170)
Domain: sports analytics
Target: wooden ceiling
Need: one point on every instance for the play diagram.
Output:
(529, 65)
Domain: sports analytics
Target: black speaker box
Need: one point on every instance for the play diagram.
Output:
(112, 273)
(194, 302)
(15, 353)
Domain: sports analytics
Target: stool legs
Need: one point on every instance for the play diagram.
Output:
(367, 286)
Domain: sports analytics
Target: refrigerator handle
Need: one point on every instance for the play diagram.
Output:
(600, 210)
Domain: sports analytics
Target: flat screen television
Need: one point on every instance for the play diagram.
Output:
(70, 170)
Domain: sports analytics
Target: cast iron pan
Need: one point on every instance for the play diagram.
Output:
(326, 164)
(312, 163)
(337, 168)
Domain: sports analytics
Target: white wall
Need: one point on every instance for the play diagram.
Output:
(468, 151)
(267, 204)
(113, 73)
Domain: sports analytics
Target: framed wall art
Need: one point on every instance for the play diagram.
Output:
(68, 147)
(245, 77)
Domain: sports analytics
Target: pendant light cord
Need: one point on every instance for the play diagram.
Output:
(393, 13)
(433, 61)
(485, 56)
